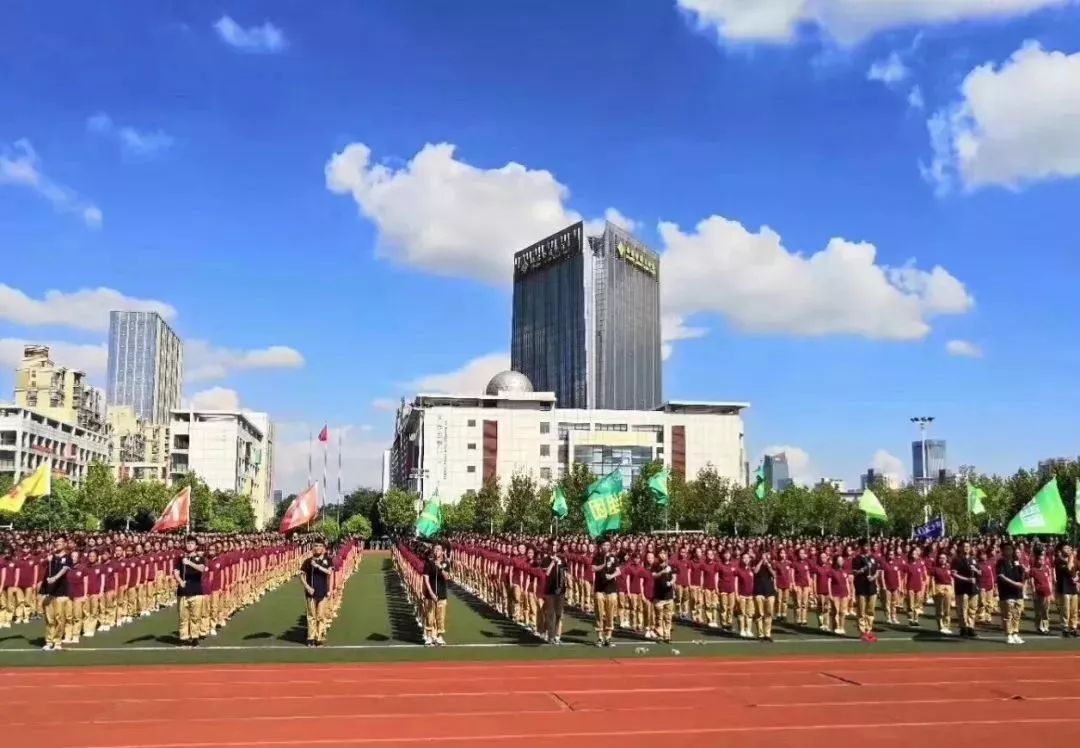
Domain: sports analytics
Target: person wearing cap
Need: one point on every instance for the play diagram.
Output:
(190, 597)
(315, 573)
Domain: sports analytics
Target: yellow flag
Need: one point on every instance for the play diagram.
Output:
(39, 483)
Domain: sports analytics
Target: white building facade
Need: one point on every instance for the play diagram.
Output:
(450, 445)
(29, 438)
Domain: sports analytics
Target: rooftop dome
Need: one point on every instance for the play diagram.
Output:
(509, 383)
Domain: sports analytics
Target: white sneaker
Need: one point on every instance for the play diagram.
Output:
(428, 641)
(1018, 639)
(440, 641)
(213, 632)
(48, 648)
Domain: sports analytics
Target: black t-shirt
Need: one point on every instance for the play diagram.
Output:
(764, 582)
(1066, 581)
(192, 579)
(436, 576)
(59, 588)
(865, 583)
(316, 573)
(665, 583)
(556, 579)
(602, 585)
(1010, 570)
(965, 567)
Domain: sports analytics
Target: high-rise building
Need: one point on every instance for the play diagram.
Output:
(931, 469)
(586, 319)
(57, 392)
(1048, 466)
(777, 474)
(145, 365)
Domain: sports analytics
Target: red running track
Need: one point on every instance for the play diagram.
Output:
(806, 702)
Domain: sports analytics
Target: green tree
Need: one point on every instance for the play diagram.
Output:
(397, 510)
(460, 517)
(356, 526)
(327, 528)
(525, 509)
(640, 511)
(575, 485)
(98, 491)
(364, 502)
(489, 507)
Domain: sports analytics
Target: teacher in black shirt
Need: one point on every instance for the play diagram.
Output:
(436, 576)
(56, 604)
(1010, 580)
(315, 574)
(1066, 574)
(190, 598)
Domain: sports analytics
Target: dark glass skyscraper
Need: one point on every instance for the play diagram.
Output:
(935, 460)
(586, 319)
(145, 367)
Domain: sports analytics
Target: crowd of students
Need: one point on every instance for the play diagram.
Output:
(83, 583)
(643, 584)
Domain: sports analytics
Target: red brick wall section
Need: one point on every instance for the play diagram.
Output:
(491, 449)
(678, 450)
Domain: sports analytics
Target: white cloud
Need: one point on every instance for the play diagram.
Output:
(800, 469)
(888, 466)
(673, 328)
(890, 71)
(384, 405)
(1012, 125)
(142, 144)
(205, 361)
(361, 458)
(470, 379)
(963, 348)
(85, 309)
(595, 226)
(759, 286)
(915, 98)
(447, 217)
(846, 21)
(91, 359)
(257, 39)
(21, 167)
(215, 398)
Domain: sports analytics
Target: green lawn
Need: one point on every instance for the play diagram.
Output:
(376, 624)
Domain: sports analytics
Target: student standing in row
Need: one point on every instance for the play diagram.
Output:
(1066, 576)
(190, 598)
(54, 590)
(436, 574)
(1010, 578)
(315, 575)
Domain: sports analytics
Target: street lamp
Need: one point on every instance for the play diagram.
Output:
(923, 422)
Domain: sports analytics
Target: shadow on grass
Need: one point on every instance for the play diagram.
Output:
(297, 634)
(504, 627)
(259, 635)
(402, 618)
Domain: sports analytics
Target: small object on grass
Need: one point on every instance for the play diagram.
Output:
(675, 652)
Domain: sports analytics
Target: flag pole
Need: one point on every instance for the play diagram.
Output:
(340, 497)
(310, 448)
(325, 448)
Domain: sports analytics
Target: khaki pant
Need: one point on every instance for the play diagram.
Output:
(515, 597)
(1069, 610)
(802, 605)
(637, 612)
(20, 605)
(824, 612)
(746, 616)
(840, 608)
(682, 601)
(605, 614)
(943, 604)
(191, 617)
(697, 604)
(864, 609)
(317, 622)
(76, 617)
(624, 610)
(7, 607)
(915, 605)
(57, 612)
(1042, 612)
(783, 602)
(727, 609)
(664, 610)
(710, 598)
(553, 615)
(1011, 613)
(110, 610)
(435, 618)
(967, 606)
(987, 606)
(93, 614)
(892, 602)
(765, 608)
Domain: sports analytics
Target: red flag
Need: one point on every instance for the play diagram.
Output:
(324, 435)
(176, 514)
(303, 510)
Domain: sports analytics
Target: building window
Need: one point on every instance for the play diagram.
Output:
(472, 445)
(611, 427)
(545, 427)
(472, 422)
(545, 473)
(545, 450)
(470, 469)
(566, 428)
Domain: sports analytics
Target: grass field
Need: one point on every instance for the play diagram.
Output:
(377, 625)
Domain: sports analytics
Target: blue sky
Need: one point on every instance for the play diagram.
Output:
(270, 176)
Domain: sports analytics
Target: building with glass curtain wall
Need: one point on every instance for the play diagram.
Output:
(586, 319)
(145, 369)
(931, 469)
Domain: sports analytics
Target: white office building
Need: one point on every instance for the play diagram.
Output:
(452, 444)
(229, 450)
(29, 438)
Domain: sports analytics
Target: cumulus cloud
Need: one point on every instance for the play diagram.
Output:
(361, 458)
(448, 217)
(85, 309)
(205, 361)
(890, 71)
(889, 466)
(215, 398)
(470, 379)
(88, 358)
(673, 328)
(140, 143)
(21, 167)
(845, 21)
(963, 348)
(800, 469)
(384, 404)
(1012, 125)
(611, 215)
(266, 38)
(915, 98)
(760, 286)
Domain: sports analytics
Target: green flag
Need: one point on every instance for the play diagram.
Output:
(760, 489)
(603, 505)
(658, 486)
(1043, 515)
(430, 520)
(558, 503)
(975, 500)
(870, 505)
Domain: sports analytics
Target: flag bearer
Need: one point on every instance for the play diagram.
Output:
(316, 574)
(190, 598)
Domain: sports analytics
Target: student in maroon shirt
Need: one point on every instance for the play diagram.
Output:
(942, 579)
(681, 567)
(800, 569)
(744, 587)
(916, 581)
(821, 573)
(78, 591)
(1042, 588)
(726, 580)
(892, 572)
(710, 587)
(784, 580)
(839, 594)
